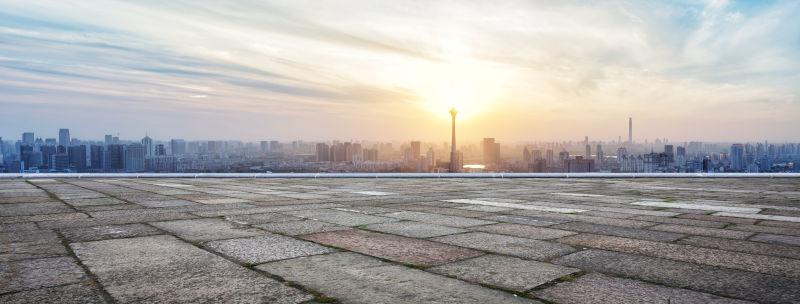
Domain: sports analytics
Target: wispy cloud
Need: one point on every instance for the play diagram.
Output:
(372, 68)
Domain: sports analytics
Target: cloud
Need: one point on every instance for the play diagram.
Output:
(301, 65)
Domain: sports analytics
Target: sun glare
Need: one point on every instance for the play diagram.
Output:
(468, 86)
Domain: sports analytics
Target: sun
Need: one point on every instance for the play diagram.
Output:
(468, 86)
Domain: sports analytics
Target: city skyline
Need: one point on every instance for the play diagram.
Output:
(708, 71)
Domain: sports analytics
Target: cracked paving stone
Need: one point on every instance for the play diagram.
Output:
(266, 248)
(504, 244)
(505, 272)
(159, 269)
(597, 288)
(354, 278)
(392, 247)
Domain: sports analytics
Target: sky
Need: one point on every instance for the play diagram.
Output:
(390, 70)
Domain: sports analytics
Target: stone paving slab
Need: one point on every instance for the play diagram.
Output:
(504, 272)
(261, 218)
(743, 246)
(712, 257)
(597, 288)
(159, 269)
(354, 278)
(777, 239)
(525, 231)
(509, 245)
(438, 219)
(717, 280)
(207, 229)
(266, 248)
(37, 273)
(636, 233)
(80, 293)
(392, 247)
(715, 232)
(301, 227)
(108, 232)
(339, 217)
(414, 229)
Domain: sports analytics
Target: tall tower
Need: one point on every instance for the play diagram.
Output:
(630, 130)
(63, 137)
(453, 155)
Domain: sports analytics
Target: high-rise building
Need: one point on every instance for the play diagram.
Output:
(491, 152)
(670, 152)
(47, 155)
(737, 157)
(63, 137)
(264, 146)
(60, 161)
(177, 146)
(416, 149)
(371, 155)
(109, 140)
(323, 152)
(115, 158)
(77, 158)
(25, 153)
(455, 159)
(134, 158)
(588, 154)
(27, 138)
(600, 155)
(97, 155)
(160, 150)
(147, 142)
(630, 129)
(526, 156)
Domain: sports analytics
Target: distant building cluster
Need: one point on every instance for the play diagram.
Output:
(69, 154)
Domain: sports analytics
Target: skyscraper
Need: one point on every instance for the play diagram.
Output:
(323, 152)
(97, 157)
(77, 158)
(491, 151)
(147, 142)
(588, 152)
(63, 137)
(630, 129)
(600, 155)
(27, 138)
(177, 146)
(134, 158)
(115, 158)
(737, 157)
(416, 149)
(109, 139)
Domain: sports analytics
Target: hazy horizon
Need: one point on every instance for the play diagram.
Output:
(377, 70)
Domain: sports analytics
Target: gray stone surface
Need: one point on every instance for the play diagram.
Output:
(354, 278)
(37, 273)
(207, 229)
(392, 247)
(438, 219)
(33, 208)
(525, 231)
(636, 233)
(597, 288)
(338, 217)
(531, 221)
(414, 229)
(261, 218)
(510, 245)
(777, 239)
(714, 257)
(704, 231)
(504, 272)
(301, 227)
(266, 248)
(81, 293)
(158, 269)
(717, 280)
(108, 232)
(743, 246)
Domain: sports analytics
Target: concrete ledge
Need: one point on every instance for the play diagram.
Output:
(398, 175)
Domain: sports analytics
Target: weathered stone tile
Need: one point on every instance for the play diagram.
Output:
(597, 288)
(108, 207)
(43, 217)
(365, 209)
(197, 230)
(505, 272)
(525, 206)
(698, 206)
(713, 218)
(484, 208)
(525, 231)
(743, 246)
(81, 293)
(301, 227)
(33, 209)
(438, 219)
(94, 201)
(227, 200)
(504, 244)
(354, 278)
(17, 227)
(166, 203)
(636, 233)
(392, 247)
(433, 209)
(760, 216)
(266, 248)
(712, 257)
(766, 229)
(158, 269)
(414, 229)
(37, 273)
(777, 239)
(584, 218)
(531, 221)
(118, 220)
(704, 231)
(261, 218)
(609, 214)
(108, 232)
(779, 224)
(717, 280)
(680, 221)
(343, 218)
